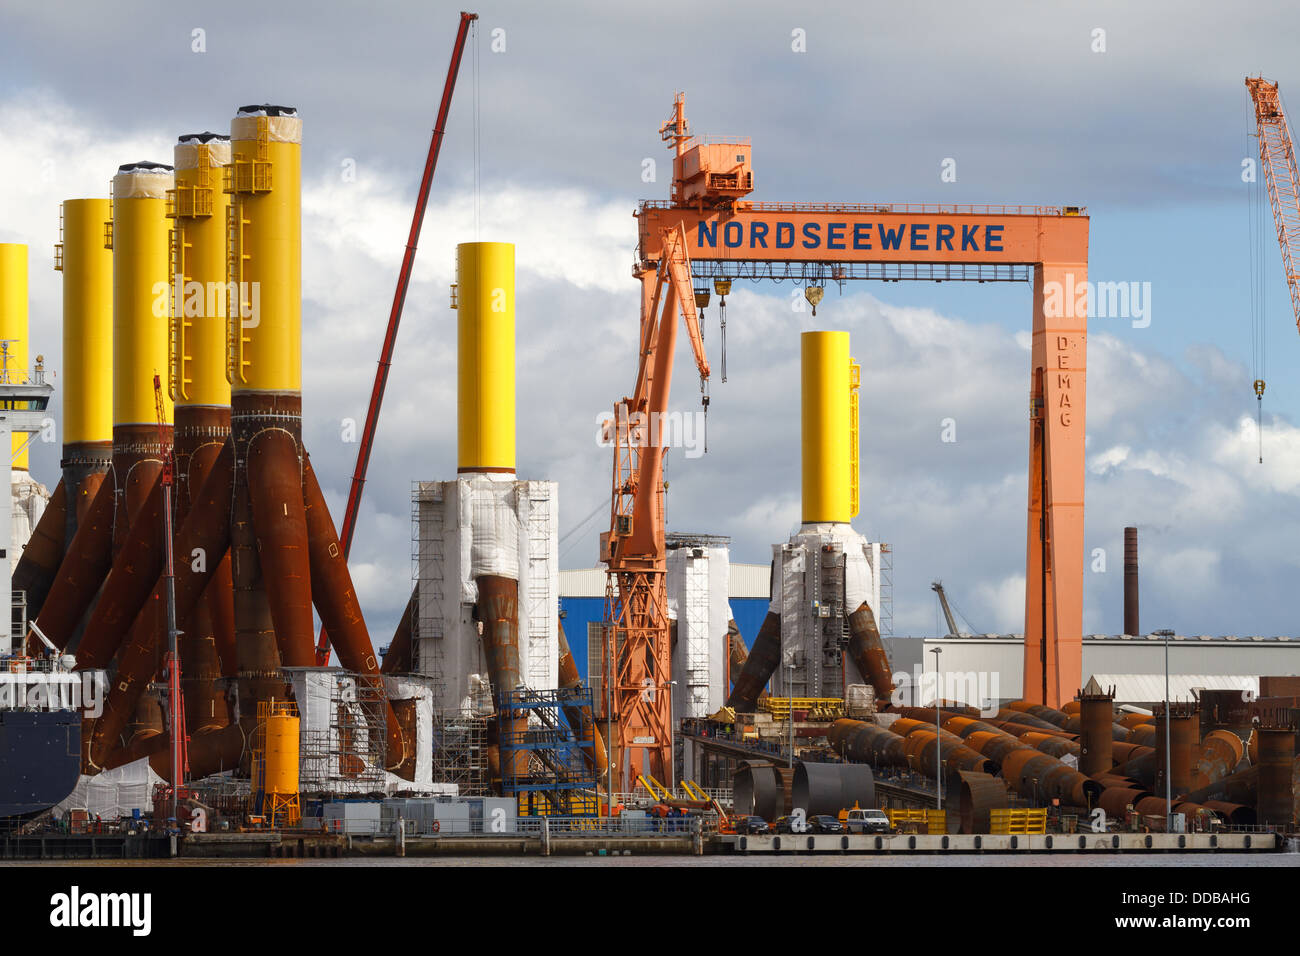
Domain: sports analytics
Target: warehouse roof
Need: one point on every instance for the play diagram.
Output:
(1151, 687)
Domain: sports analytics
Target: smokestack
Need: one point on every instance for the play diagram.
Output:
(829, 428)
(1131, 581)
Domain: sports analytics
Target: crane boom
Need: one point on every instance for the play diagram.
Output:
(395, 313)
(1277, 156)
(937, 588)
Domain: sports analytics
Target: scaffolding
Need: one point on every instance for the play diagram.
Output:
(559, 780)
(460, 753)
(886, 572)
(427, 582)
(345, 751)
(542, 604)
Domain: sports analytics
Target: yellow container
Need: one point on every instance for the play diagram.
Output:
(485, 340)
(141, 243)
(199, 206)
(13, 326)
(87, 267)
(829, 428)
(281, 754)
(264, 318)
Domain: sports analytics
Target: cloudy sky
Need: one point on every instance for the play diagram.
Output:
(1149, 134)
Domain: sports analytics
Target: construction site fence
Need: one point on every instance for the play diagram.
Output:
(519, 826)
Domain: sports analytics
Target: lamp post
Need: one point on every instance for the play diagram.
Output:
(789, 699)
(938, 729)
(1169, 798)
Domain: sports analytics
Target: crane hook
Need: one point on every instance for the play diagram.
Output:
(813, 294)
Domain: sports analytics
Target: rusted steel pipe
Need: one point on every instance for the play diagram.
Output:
(1221, 751)
(1124, 752)
(1130, 721)
(43, 552)
(580, 719)
(980, 794)
(1052, 745)
(87, 561)
(275, 489)
(1240, 787)
(398, 658)
(1274, 803)
(1096, 723)
(867, 651)
(335, 597)
(759, 666)
(864, 742)
(1115, 801)
(1143, 734)
(1051, 715)
(1012, 715)
(498, 610)
(137, 564)
(1236, 814)
(207, 529)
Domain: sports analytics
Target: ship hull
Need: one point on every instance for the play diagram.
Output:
(40, 759)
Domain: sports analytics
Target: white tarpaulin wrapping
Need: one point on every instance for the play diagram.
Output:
(795, 560)
(413, 688)
(114, 793)
(480, 525)
(697, 601)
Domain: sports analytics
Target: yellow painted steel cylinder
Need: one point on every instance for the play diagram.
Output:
(826, 396)
(264, 325)
(87, 267)
(485, 342)
(199, 206)
(282, 754)
(13, 326)
(141, 241)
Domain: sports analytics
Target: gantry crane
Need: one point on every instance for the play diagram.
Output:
(708, 230)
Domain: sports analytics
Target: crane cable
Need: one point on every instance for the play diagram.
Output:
(1256, 203)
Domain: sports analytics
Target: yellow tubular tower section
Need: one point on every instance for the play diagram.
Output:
(13, 327)
(140, 238)
(198, 207)
(485, 293)
(828, 437)
(264, 252)
(87, 267)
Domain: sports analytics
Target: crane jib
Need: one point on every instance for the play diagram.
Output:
(936, 236)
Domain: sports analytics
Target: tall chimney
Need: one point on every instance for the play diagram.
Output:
(1131, 581)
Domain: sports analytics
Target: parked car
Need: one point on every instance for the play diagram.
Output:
(867, 821)
(783, 825)
(823, 823)
(752, 825)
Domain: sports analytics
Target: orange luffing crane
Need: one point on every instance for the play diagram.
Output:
(1277, 156)
(708, 230)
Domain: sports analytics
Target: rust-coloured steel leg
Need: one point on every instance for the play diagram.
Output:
(206, 530)
(44, 552)
(336, 602)
(759, 666)
(398, 659)
(280, 523)
(867, 651)
(136, 567)
(498, 610)
(84, 567)
(580, 718)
